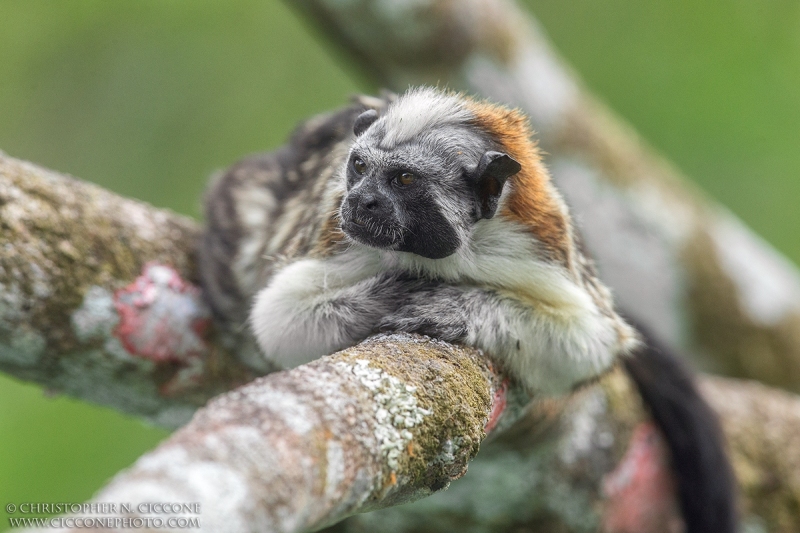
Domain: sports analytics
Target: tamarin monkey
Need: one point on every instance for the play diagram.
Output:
(433, 213)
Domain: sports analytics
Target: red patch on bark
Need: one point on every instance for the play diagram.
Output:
(498, 406)
(161, 317)
(641, 493)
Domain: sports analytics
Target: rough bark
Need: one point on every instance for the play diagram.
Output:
(94, 300)
(398, 417)
(679, 263)
(386, 422)
(585, 465)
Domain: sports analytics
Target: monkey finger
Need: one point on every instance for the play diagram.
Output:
(430, 326)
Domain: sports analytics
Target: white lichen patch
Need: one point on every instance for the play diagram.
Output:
(411, 338)
(287, 407)
(449, 450)
(11, 302)
(583, 429)
(334, 469)
(96, 317)
(143, 218)
(396, 409)
(23, 348)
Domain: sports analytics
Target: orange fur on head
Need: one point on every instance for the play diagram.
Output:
(532, 200)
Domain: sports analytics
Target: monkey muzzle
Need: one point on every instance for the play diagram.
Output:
(369, 218)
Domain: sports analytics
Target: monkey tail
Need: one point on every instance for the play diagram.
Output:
(706, 484)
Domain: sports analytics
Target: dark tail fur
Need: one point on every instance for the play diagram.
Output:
(706, 485)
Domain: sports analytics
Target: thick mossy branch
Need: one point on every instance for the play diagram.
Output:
(397, 418)
(763, 430)
(580, 464)
(388, 421)
(71, 254)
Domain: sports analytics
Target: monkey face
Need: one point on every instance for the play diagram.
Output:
(420, 194)
(368, 211)
(393, 205)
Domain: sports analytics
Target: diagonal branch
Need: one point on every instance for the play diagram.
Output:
(397, 418)
(389, 421)
(94, 300)
(591, 465)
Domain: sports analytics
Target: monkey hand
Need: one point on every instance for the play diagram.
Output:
(437, 311)
(310, 309)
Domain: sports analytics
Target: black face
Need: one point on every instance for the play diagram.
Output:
(420, 198)
(393, 208)
(430, 234)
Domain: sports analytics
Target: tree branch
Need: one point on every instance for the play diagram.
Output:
(386, 422)
(398, 417)
(591, 464)
(82, 314)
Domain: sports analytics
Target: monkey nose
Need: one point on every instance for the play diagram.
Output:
(369, 202)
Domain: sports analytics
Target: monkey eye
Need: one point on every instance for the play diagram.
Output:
(406, 178)
(359, 165)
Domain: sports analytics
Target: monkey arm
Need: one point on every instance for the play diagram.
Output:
(548, 352)
(314, 307)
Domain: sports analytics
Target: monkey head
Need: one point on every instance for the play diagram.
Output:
(420, 176)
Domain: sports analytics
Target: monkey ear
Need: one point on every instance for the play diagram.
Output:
(364, 121)
(491, 174)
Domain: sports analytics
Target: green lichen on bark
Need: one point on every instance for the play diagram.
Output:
(65, 236)
(454, 386)
(522, 479)
(60, 237)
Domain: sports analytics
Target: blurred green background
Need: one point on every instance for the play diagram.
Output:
(148, 98)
